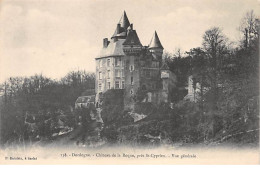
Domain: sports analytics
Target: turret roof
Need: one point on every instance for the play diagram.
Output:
(165, 66)
(155, 42)
(124, 21)
(113, 49)
(132, 38)
(124, 24)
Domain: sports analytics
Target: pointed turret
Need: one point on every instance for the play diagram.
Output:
(121, 29)
(164, 66)
(132, 39)
(124, 21)
(156, 48)
(155, 42)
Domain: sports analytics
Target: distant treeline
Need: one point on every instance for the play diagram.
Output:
(38, 94)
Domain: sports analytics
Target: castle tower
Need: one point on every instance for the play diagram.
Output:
(110, 63)
(123, 63)
(156, 48)
(121, 29)
(132, 48)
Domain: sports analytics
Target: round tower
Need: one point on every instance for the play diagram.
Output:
(156, 48)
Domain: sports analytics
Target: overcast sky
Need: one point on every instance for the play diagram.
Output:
(53, 37)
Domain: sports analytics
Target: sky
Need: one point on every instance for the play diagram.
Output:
(54, 37)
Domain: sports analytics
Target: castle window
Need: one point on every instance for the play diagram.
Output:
(117, 73)
(99, 87)
(100, 75)
(117, 62)
(132, 68)
(108, 62)
(108, 85)
(108, 73)
(123, 73)
(123, 84)
(132, 81)
(103, 62)
(117, 85)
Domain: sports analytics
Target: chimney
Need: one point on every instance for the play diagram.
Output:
(118, 28)
(105, 42)
(131, 26)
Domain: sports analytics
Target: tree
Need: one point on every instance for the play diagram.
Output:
(199, 71)
(249, 28)
(215, 46)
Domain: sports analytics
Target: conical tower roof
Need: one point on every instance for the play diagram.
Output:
(124, 24)
(124, 21)
(165, 66)
(132, 39)
(155, 42)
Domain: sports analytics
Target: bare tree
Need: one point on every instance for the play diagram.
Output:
(215, 46)
(248, 27)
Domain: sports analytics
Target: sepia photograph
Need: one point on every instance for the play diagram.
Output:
(129, 82)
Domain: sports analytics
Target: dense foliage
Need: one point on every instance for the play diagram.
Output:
(41, 98)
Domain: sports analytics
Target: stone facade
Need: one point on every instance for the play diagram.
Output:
(194, 89)
(124, 63)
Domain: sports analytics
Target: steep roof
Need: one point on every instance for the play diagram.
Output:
(124, 24)
(165, 66)
(155, 42)
(124, 21)
(113, 49)
(132, 38)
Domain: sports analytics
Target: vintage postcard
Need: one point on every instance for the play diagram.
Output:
(129, 82)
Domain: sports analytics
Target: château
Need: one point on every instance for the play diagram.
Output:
(124, 63)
